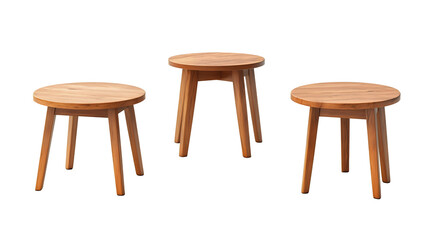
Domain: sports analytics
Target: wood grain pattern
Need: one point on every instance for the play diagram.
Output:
(345, 144)
(82, 113)
(91, 100)
(240, 103)
(89, 95)
(116, 150)
(345, 95)
(46, 145)
(217, 66)
(347, 101)
(134, 139)
(188, 112)
(71, 141)
(253, 103)
(313, 122)
(382, 145)
(180, 108)
(343, 113)
(215, 75)
(216, 61)
(373, 152)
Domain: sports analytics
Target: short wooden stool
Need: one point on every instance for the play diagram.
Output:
(217, 66)
(347, 100)
(91, 100)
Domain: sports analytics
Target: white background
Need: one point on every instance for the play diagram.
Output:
(214, 193)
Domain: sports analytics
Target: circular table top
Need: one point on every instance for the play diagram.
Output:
(216, 61)
(89, 95)
(345, 95)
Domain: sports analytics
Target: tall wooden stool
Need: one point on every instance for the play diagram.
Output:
(347, 100)
(91, 100)
(231, 67)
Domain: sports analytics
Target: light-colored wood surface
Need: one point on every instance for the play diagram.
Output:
(89, 95)
(240, 103)
(216, 61)
(373, 152)
(116, 150)
(130, 116)
(345, 95)
(188, 111)
(345, 144)
(71, 141)
(313, 123)
(382, 145)
(253, 103)
(46, 145)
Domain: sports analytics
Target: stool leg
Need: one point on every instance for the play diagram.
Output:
(373, 151)
(180, 108)
(240, 104)
(345, 144)
(134, 139)
(116, 150)
(71, 141)
(382, 145)
(46, 144)
(188, 111)
(253, 103)
(313, 122)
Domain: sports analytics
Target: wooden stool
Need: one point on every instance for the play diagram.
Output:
(347, 100)
(91, 100)
(217, 66)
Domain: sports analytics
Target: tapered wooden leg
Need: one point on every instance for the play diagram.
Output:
(188, 111)
(180, 108)
(253, 103)
(46, 144)
(382, 145)
(71, 141)
(134, 139)
(373, 151)
(116, 150)
(194, 96)
(313, 122)
(345, 144)
(240, 103)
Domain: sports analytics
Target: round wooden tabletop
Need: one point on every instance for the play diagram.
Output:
(89, 95)
(216, 61)
(345, 95)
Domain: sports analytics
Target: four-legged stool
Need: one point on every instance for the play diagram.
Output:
(347, 100)
(91, 100)
(217, 66)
